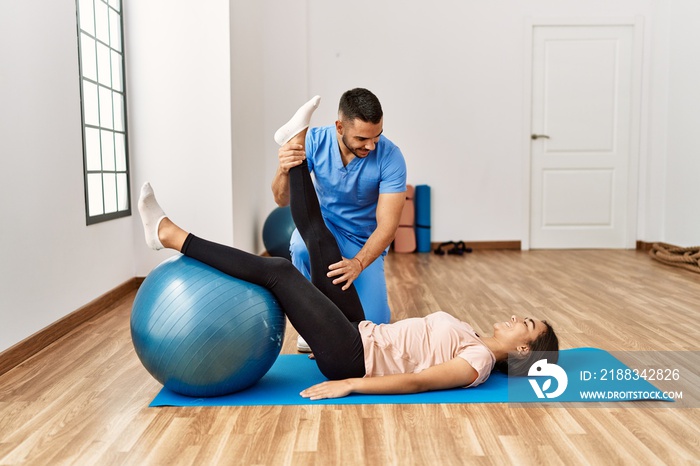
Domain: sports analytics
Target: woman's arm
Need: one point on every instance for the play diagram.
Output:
(451, 374)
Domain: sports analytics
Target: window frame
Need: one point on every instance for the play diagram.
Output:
(120, 169)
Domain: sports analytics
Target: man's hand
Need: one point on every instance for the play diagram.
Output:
(389, 208)
(290, 155)
(347, 270)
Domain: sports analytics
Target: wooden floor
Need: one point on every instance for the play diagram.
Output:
(84, 399)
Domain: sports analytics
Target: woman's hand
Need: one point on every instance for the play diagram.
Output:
(329, 389)
(456, 372)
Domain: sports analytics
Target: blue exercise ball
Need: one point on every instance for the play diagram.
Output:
(277, 231)
(203, 333)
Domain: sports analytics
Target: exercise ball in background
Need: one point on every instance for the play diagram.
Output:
(203, 333)
(277, 231)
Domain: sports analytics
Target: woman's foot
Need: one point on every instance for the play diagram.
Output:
(298, 123)
(151, 216)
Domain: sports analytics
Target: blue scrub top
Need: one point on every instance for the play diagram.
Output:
(348, 194)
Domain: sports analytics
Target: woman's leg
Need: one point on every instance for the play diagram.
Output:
(370, 284)
(334, 339)
(321, 244)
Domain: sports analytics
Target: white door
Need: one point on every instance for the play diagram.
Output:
(583, 79)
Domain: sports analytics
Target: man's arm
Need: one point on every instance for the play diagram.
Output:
(389, 208)
(290, 155)
(454, 373)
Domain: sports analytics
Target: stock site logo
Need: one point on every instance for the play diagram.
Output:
(543, 369)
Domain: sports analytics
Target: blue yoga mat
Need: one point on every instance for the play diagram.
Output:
(292, 373)
(421, 200)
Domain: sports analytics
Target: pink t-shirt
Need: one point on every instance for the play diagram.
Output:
(413, 345)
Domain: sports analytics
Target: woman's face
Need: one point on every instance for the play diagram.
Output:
(518, 331)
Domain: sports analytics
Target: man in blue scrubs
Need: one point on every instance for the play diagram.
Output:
(360, 178)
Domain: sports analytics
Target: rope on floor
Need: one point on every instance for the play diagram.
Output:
(687, 258)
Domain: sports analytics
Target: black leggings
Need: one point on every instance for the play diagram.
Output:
(323, 314)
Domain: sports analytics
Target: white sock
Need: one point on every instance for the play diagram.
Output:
(298, 123)
(151, 215)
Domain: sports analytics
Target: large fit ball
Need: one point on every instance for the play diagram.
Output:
(277, 231)
(203, 333)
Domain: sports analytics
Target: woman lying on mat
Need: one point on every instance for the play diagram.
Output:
(409, 356)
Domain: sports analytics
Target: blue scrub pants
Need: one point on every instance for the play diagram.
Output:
(370, 285)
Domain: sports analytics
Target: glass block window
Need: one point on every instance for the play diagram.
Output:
(103, 96)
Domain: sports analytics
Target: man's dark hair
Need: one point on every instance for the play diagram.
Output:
(360, 103)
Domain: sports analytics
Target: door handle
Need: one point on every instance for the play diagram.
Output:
(539, 136)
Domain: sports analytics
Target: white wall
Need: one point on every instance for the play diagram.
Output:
(652, 167)
(682, 222)
(51, 262)
(247, 111)
(285, 78)
(178, 61)
(450, 76)
(453, 96)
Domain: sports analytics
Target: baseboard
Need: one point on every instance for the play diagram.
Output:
(31, 345)
(644, 246)
(484, 245)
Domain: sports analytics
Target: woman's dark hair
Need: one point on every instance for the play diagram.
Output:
(545, 346)
(360, 103)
